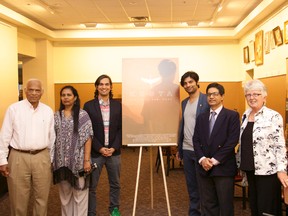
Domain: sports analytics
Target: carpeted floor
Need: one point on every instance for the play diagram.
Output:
(175, 182)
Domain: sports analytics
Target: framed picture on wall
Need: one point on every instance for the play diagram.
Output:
(246, 54)
(267, 42)
(278, 36)
(251, 51)
(259, 48)
(272, 41)
(286, 31)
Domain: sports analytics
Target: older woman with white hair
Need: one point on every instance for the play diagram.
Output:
(262, 152)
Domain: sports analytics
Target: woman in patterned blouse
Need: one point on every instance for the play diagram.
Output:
(72, 153)
(262, 152)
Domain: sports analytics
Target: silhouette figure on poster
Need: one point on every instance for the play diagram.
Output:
(161, 106)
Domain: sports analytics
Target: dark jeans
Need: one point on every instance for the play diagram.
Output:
(113, 166)
(191, 175)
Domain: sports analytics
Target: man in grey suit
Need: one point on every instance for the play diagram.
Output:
(192, 106)
(215, 137)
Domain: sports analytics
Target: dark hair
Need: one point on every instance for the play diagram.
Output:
(193, 75)
(217, 86)
(97, 82)
(75, 108)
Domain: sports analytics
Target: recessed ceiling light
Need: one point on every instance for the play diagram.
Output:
(220, 8)
(90, 25)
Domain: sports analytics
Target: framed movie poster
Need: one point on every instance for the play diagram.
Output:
(259, 48)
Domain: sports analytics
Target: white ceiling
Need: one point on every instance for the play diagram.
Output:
(69, 14)
(60, 18)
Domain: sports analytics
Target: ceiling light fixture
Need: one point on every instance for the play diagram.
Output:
(139, 21)
(139, 24)
(46, 6)
(90, 25)
(192, 23)
(220, 6)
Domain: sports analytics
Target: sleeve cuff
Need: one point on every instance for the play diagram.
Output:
(201, 159)
(215, 162)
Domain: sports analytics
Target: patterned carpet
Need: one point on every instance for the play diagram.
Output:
(175, 182)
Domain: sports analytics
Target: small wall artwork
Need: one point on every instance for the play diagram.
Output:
(259, 48)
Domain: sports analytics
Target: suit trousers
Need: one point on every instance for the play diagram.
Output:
(73, 202)
(217, 195)
(29, 172)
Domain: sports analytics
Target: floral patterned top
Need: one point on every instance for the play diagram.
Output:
(268, 142)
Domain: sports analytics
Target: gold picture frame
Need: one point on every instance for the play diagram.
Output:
(246, 54)
(267, 42)
(277, 36)
(251, 50)
(286, 32)
(259, 48)
(272, 41)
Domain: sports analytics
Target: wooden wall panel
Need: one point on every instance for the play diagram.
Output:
(234, 95)
(276, 88)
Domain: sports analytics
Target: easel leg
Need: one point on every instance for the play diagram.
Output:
(137, 181)
(151, 177)
(164, 180)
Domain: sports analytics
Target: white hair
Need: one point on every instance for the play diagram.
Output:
(255, 85)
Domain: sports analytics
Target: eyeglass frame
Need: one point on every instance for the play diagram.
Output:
(214, 94)
(254, 95)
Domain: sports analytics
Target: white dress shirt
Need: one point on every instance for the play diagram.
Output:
(26, 128)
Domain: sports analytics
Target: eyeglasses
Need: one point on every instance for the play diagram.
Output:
(254, 95)
(214, 94)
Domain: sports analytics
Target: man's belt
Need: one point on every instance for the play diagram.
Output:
(33, 152)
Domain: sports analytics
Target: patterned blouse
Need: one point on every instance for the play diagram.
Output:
(69, 147)
(268, 141)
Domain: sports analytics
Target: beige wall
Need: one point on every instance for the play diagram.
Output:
(8, 67)
(273, 70)
(275, 61)
(83, 64)
(26, 45)
(57, 63)
(41, 68)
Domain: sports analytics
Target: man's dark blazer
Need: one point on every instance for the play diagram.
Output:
(221, 144)
(92, 107)
(202, 106)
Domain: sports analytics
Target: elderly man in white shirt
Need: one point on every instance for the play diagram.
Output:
(28, 130)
